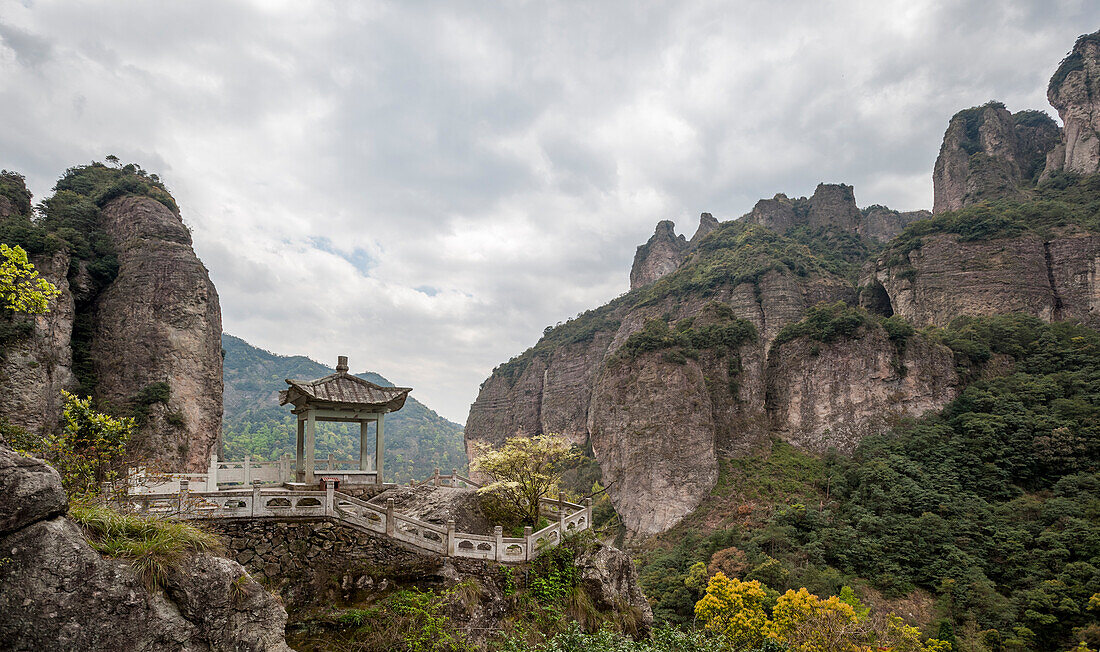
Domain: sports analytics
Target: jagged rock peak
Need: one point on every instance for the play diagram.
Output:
(776, 213)
(1074, 91)
(834, 205)
(659, 256)
(990, 153)
(707, 224)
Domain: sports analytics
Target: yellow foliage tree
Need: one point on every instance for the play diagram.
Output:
(802, 621)
(734, 609)
(21, 289)
(809, 624)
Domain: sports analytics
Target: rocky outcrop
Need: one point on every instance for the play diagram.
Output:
(57, 593)
(35, 368)
(777, 213)
(160, 322)
(1074, 91)
(944, 278)
(653, 433)
(881, 224)
(707, 224)
(660, 255)
(833, 205)
(610, 577)
(157, 321)
(985, 132)
(832, 395)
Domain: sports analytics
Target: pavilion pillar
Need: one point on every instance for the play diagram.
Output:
(363, 461)
(379, 446)
(311, 445)
(299, 452)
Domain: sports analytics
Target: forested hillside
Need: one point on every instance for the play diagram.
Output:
(417, 439)
(983, 521)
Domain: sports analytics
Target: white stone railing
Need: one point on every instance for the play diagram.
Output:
(262, 502)
(455, 479)
(245, 473)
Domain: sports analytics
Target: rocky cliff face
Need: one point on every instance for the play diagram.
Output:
(656, 424)
(157, 320)
(36, 368)
(989, 153)
(832, 207)
(832, 395)
(1075, 92)
(1052, 279)
(160, 321)
(660, 255)
(881, 224)
(57, 593)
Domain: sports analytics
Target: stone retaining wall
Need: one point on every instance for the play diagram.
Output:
(316, 562)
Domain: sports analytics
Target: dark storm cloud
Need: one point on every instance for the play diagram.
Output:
(425, 186)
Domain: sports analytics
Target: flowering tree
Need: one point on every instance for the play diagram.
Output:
(522, 471)
(21, 289)
(734, 609)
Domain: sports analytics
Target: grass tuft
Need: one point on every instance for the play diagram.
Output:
(154, 546)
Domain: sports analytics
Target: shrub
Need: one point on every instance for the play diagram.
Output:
(827, 322)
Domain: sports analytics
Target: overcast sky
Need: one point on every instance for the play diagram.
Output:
(426, 186)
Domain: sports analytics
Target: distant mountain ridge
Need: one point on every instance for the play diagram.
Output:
(417, 438)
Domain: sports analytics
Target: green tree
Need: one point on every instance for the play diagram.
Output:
(89, 450)
(523, 471)
(21, 289)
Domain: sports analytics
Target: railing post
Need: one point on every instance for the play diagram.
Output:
(212, 473)
(183, 495)
(528, 548)
(331, 463)
(247, 470)
(435, 477)
(561, 515)
(587, 513)
(451, 538)
(389, 517)
(498, 534)
(257, 508)
(330, 489)
(454, 477)
(284, 468)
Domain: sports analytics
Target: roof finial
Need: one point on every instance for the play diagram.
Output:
(342, 364)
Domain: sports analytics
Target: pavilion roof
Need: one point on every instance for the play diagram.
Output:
(344, 390)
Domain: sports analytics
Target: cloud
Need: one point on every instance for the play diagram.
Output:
(425, 187)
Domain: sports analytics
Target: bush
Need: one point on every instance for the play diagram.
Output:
(827, 322)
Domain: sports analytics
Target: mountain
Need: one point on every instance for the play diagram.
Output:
(137, 323)
(417, 439)
(718, 347)
(817, 395)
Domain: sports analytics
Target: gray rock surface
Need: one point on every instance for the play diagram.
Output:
(652, 430)
(1075, 92)
(160, 321)
(832, 395)
(660, 255)
(438, 505)
(944, 278)
(58, 593)
(35, 369)
(31, 489)
(609, 576)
